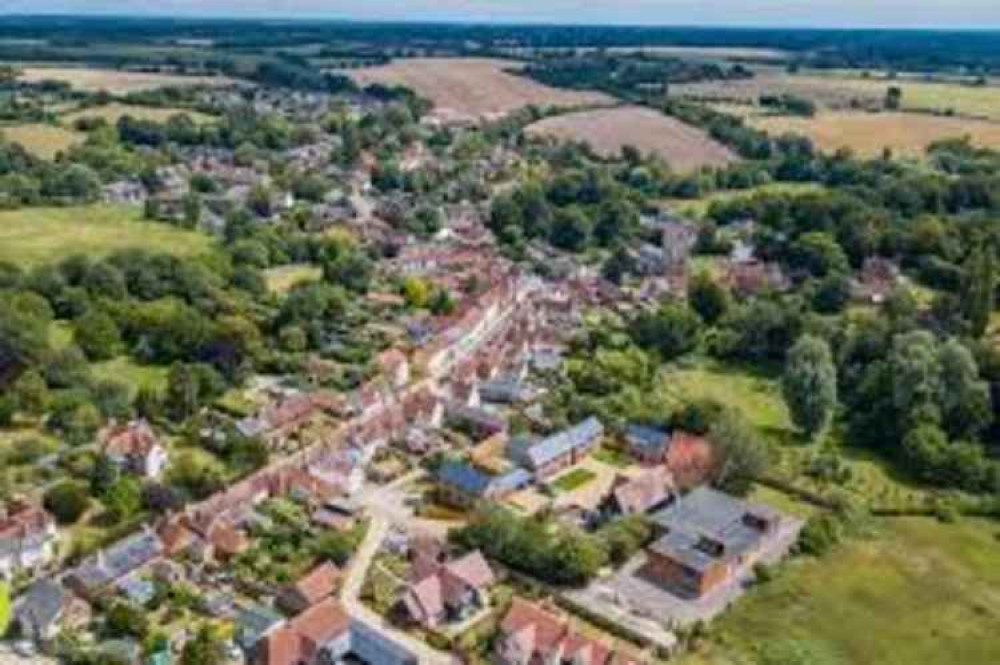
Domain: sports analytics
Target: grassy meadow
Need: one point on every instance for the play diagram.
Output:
(39, 235)
(919, 592)
(112, 112)
(41, 140)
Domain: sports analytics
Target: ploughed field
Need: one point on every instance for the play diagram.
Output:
(473, 87)
(683, 147)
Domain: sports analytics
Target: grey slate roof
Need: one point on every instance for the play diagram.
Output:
(40, 605)
(648, 439)
(706, 516)
(117, 561)
(563, 442)
(464, 478)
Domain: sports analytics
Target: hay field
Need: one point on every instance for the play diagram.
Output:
(114, 81)
(868, 133)
(42, 140)
(473, 87)
(112, 112)
(33, 236)
(684, 148)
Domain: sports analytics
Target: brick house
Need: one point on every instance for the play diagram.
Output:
(559, 451)
(135, 448)
(533, 635)
(318, 585)
(706, 538)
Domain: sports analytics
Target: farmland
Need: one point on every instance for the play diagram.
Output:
(868, 133)
(607, 130)
(42, 140)
(39, 235)
(921, 592)
(114, 81)
(473, 87)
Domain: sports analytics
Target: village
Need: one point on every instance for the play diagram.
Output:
(393, 464)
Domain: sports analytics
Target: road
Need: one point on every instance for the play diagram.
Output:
(350, 596)
(390, 503)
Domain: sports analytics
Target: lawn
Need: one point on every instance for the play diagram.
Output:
(4, 606)
(44, 141)
(136, 376)
(39, 235)
(756, 394)
(573, 480)
(922, 592)
(613, 457)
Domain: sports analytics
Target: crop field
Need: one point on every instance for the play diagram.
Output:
(683, 147)
(869, 133)
(38, 235)
(42, 140)
(112, 112)
(920, 592)
(114, 81)
(472, 86)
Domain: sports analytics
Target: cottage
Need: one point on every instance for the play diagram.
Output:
(316, 586)
(135, 448)
(28, 538)
(559, 451)
(706, 538)
(647, 445)
(325, 633)
(108, 566)
(478, 423)
(636, 496)
(450, 592)
(506, 390)
(532, 635)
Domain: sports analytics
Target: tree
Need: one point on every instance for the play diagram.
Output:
(672, 331)
(708, 298)
(965, 398)
(207, 648)
(916, 379)
(741, 456)
(570, 229)
(123, 499)
(893, 98)
(979, 289)
(31, 393)
(417, 292)
(67, 501)
(97, 335)
(126, 620)
(809, 385)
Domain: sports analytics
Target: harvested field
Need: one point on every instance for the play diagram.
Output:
(472, 87)
(684, 147)
(869, 133)
(113, 81)
(112, 112)
(42, 140)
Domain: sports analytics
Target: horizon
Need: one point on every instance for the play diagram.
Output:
(930, 15)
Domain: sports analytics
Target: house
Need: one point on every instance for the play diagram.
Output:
(325, 633)
(647, 445)
(754, 277)
(253, 623)
(452, 591)
(461, 485)
(876, 281)
(559, 451)
(636, 496)
(705, 539)
(103, 569)
(478, 423)
(319, 584)
(28, 538)
(136, 589)
(38, 612)
(135, 448)
(394, 365)
(506, 390)
(533, 635)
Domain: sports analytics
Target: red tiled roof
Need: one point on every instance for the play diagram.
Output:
(318, 584)
(23, 520)
(132, 439)
(320, 624)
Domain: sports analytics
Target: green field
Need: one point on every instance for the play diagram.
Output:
(921, 592)
(127, 371)
(39, 235)
(283, 278)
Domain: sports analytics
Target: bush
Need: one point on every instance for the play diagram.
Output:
(67, 501)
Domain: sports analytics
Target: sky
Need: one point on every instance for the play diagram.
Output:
(982, 14)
